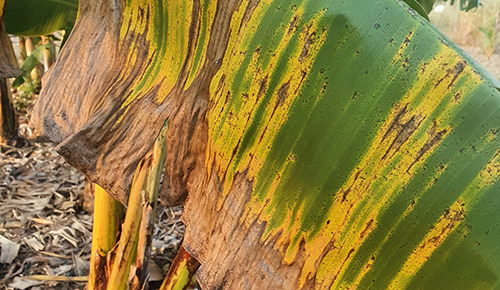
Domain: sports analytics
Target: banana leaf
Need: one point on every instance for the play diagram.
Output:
(323, 144)
(427, 4)
(39, 17)
(421, 7)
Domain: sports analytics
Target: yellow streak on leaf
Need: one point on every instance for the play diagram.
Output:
(402, 48)
(170, 48)
(212, 6)
(176, 45)
(491, 172)
(446, 224)
(277, 107)
(232, 59)
(339, 256)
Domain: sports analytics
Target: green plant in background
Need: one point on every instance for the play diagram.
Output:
(29, 64)
(27, 86)
(34, 51)
(462, 28)
(489, 39)
(28, 18)
(465, 5)
(25, 95)
(36, 20)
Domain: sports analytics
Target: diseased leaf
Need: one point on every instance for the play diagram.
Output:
(348, 143)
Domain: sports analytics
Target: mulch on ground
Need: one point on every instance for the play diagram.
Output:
(45, 233)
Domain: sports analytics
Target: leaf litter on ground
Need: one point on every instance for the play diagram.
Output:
(45, 233)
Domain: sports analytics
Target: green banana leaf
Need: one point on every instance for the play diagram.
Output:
(341, 144)
(427, 4)
(39, 17)
(419, 7)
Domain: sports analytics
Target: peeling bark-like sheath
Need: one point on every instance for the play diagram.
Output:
(125, 94)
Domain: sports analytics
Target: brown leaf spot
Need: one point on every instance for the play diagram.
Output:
(403, 130)
(435, 138)
(283, 93)
(309, 38)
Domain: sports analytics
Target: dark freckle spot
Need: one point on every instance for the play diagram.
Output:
(328, 222)
(63, 115)
(376, 26)
(354, 95)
